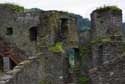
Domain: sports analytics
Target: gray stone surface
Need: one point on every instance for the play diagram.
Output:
(106, 24)
(27, 72)
(105, 52)
(109, 73)
(20, 24)
(50, 33)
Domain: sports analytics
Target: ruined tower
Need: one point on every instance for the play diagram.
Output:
(58, 46)
(108, 51)
(106, 22)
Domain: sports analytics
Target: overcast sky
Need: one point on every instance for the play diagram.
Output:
(82, 7)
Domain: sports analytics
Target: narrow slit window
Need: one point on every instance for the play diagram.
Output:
(64, 27)
(101, 21)
(100, 56)
(1, 63)
(33, 33)
(9, 31)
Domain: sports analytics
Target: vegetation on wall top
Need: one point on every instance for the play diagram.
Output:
(13, 7)
(114, 9)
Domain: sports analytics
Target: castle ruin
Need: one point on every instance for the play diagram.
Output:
(42, 47)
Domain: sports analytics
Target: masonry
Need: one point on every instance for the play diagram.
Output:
(107, 51)
(27, 72)
(42, 47)
(49, 35)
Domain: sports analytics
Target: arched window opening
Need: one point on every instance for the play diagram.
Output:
(64, 28)
(33, 33)
(9, 31)
(100, 55)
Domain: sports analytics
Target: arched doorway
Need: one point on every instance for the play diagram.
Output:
(33, 33)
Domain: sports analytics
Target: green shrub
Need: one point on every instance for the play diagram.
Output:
(57, 47)
(84, 80)
(13, 7)
(42, 82)
(114, 9)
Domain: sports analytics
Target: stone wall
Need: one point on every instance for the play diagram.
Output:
(84, 37)
(20, 24)
(105, 52)
(106, 24)
(109, 73)
(27, 72)
(48, 34)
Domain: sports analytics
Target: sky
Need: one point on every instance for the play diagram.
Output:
(81, 7)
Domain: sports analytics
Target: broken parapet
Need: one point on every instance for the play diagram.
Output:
(27, 72)
(106, 22)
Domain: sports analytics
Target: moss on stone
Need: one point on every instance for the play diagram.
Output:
(42, 82)
(13, 7)
(100, 40)
(56, 47)
(84, 80)
(114, 9)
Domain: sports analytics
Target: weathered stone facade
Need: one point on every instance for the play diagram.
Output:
(50, 26)
(19, 25)
(109, 73)
(33, 33)
(106, 24)
(27, 72)
(52, 37)
(105, 52)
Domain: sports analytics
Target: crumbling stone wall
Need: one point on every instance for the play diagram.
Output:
(106, 23)
(84, 37)
(48, 34)
(105, 52)
(109, 73)
(27, 72)
(108, 62)
(20, 23)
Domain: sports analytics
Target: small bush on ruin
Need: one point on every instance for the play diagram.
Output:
(114, 9)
